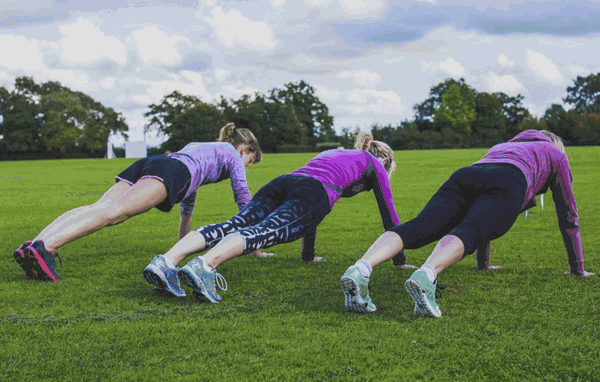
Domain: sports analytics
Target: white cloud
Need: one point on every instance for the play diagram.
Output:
(221, 74)
(452, 67)
(543, 67)
(19, 52)
(235, 30)
(361, 7)
(370, 100)
(155, 47)
(428, 1)
(326, 94)
(277, 3)
(362, 77)
(507, 83)
(504, 61)
(578, 70)
(84, 43)
(26, 5)
(236, 91)
(107, 83)
(73, 79)
(186, 82)
(318, 3)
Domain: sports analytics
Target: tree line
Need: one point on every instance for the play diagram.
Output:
(457, 115)
(52, 121)
(49, 120)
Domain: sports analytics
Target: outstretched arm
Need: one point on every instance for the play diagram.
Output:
(568, 219)
(186, 210)
(308, 247)
(483, 253)
(185, 224)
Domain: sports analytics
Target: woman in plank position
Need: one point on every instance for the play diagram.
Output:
(288, 208)
(475, 205)
(157, 181)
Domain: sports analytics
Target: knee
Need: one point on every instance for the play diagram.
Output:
(112, 213)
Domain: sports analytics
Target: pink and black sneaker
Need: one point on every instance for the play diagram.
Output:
(22, 260)
(43, 263)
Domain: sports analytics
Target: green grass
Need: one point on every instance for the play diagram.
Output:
(282, 319)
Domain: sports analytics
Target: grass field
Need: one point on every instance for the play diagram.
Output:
(282, 319)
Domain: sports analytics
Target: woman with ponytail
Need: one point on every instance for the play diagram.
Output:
(477, 204)
(155, 181)
(288, 208)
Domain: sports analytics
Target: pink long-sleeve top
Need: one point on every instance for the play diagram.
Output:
(211, 163)
(545, 166)
(345, 173)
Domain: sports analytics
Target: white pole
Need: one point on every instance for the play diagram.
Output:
(542, 200)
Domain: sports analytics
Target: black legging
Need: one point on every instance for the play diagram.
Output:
(477, 203)
(282, 211)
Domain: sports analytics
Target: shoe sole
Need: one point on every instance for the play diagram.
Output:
(159, 284)
(352, 299)
(39, 266)
(422, 304)
(195, 283)
(24, 262)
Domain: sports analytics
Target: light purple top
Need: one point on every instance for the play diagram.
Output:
(345, 173)
(212, 163)
(544, 166)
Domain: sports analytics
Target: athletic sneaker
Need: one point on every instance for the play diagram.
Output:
(162, 277)
(22, 260)
(43, 263)
(356, 291)
(423, 293)
(204, 283)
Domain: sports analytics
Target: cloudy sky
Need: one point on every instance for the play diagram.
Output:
(369, 60)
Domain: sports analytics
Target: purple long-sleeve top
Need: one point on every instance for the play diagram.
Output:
(345, 173)
(545, 166)
(212, 163)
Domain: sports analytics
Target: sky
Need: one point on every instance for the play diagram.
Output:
(370, 61)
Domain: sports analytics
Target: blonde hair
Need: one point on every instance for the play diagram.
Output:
(558, 142)
(365, 141)
(239, 137)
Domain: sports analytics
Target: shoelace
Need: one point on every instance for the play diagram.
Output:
(56, 256)
(438, 290)
(220, 280)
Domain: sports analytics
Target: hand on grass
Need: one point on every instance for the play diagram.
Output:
(405, 266)
(584, 274)
(259, 253)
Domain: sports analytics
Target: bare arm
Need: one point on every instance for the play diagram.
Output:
(185, 224)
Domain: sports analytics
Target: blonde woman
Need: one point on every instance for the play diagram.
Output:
(156, 181)
(475, 205)
(288, 208)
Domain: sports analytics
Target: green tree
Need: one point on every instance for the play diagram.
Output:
(425, 111)
(457, 109)
(532, 123)
(49, 119)
(585, 93)
(310, 111)
(75, 124)
(490, 121)
(184, 119)
(561, 122)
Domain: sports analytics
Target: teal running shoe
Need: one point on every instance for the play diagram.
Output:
(356, 291)
(203, 282)
(423, 293)
(162, 277)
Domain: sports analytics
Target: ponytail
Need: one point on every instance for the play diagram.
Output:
(363, 141)
(226, 133)
(239, 137)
